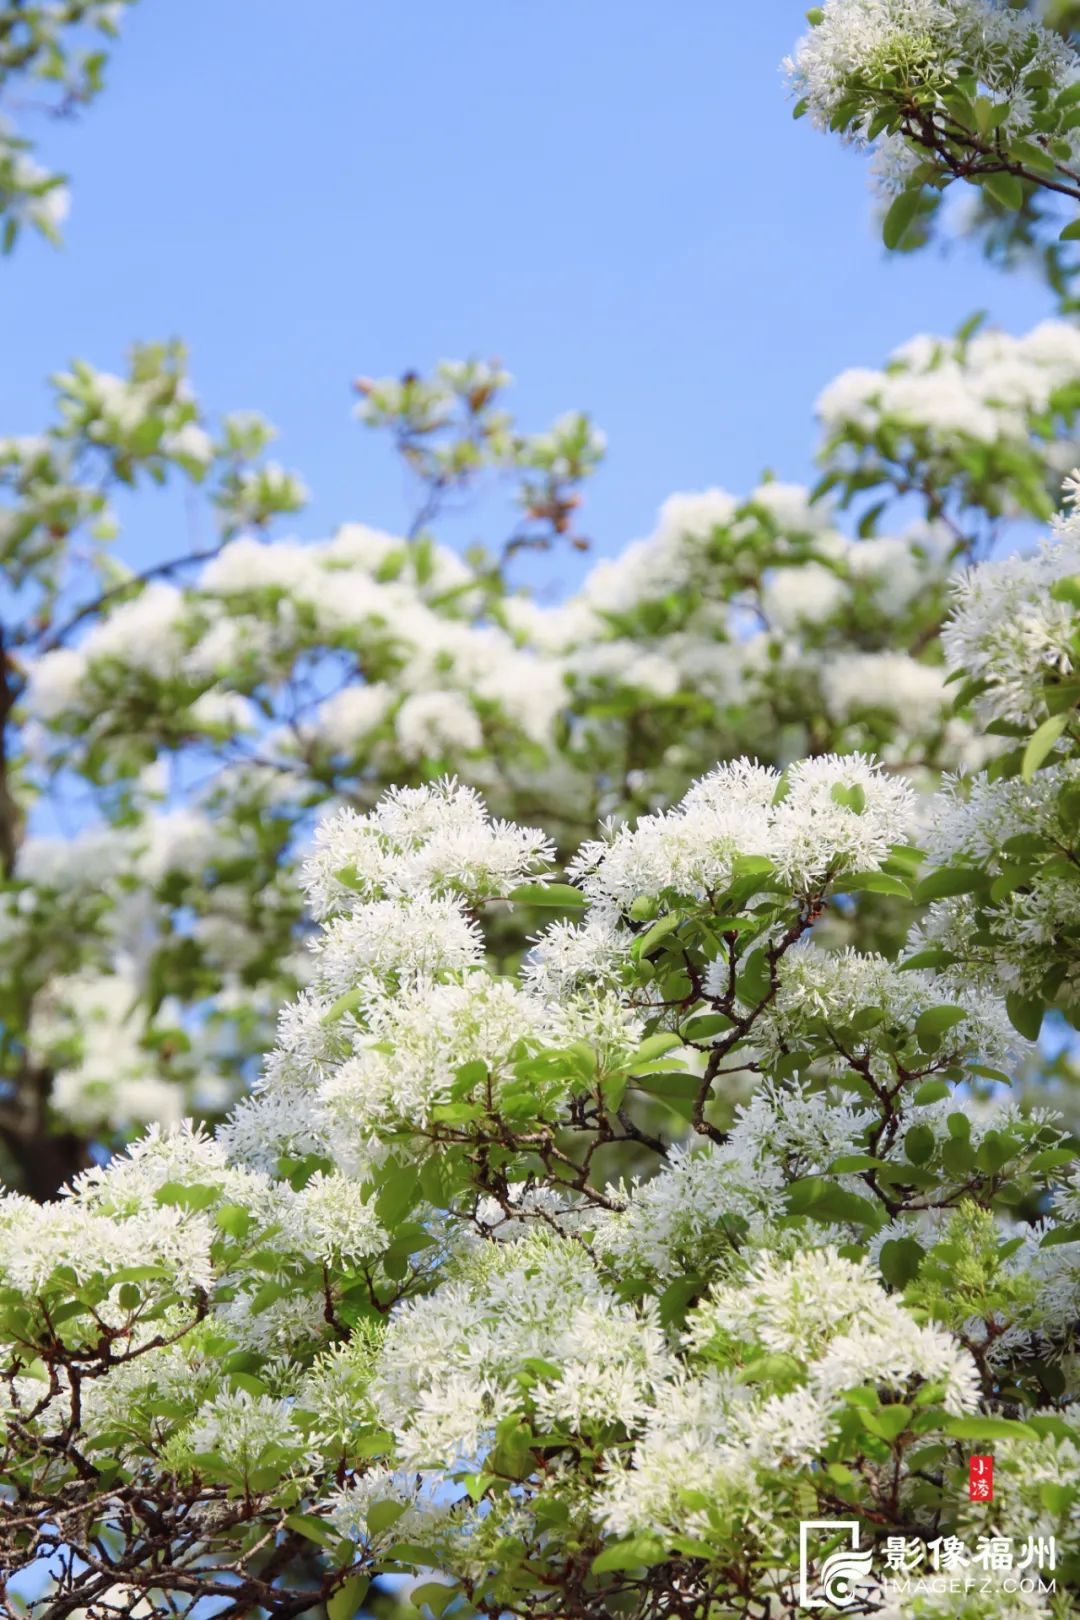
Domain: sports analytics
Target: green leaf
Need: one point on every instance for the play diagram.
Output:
(754, 980)
(1030, 154)
(752, 866)
(1042, 743)
(677, 1297)
(934, 1022)
(901, 212)
(434, 1595)
(1057, 1499)
(1059, 1235)
(470, 1074)
(888, 1422)
(1005, 189)
(1049, 1423)
(344, 1004)
(926, 959)
(69, 1310)
(822, 1200)
(233, 1219)
(850, 798)
(652, 936)
(455, 1113)
(560, 896)
(704, 1026)
(193, 1197)
(1008, 881)
(1025, 1015)
(654, 1046)
(899, 1261)
(315, 1529)
(947, 881)
(1071, 232)
(815, 16)
(931, 1091)
(400, 1193)
(995, 1150)
(1051, 1159)
(1067, 589)
(872, 883)
(919, 1144)
(382, 1516)
(988, 1428)
(985, 1072)
(958, 1156)
(345, 1602)
(628, 1554)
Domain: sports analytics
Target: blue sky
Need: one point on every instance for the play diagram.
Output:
(612, 198)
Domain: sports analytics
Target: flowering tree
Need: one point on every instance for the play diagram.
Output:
(52, 61)
(950, 90)
(843, 1263)
(190, 720)
(607, 1205)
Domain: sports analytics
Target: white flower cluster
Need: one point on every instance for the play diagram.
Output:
(893, 683)
(436, 839)
(237, 1428)
(39, 1240)
(707, 1438)
(1010, 633)
(801, 1127)
(397, 939)
(440, 682)
(540, 1300)
(942, 393)
(866, 994)
(400, 998)
(405, 1064)
(825, 816)
(1017, 942)
(684, 1331)
(258, 608)
(540, 1308)
(327, 1220)
(92, 1031)
(688, 1215)
(421, 1511)
(861, 45)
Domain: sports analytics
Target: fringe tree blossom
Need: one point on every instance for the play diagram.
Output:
(646, 1201)
(209, 711)
(859, 46)
(983, 399)
(826, 815)
(978, 90)
(396, 1308)
(1012, 628)
(60, 51)
(593, 1219)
